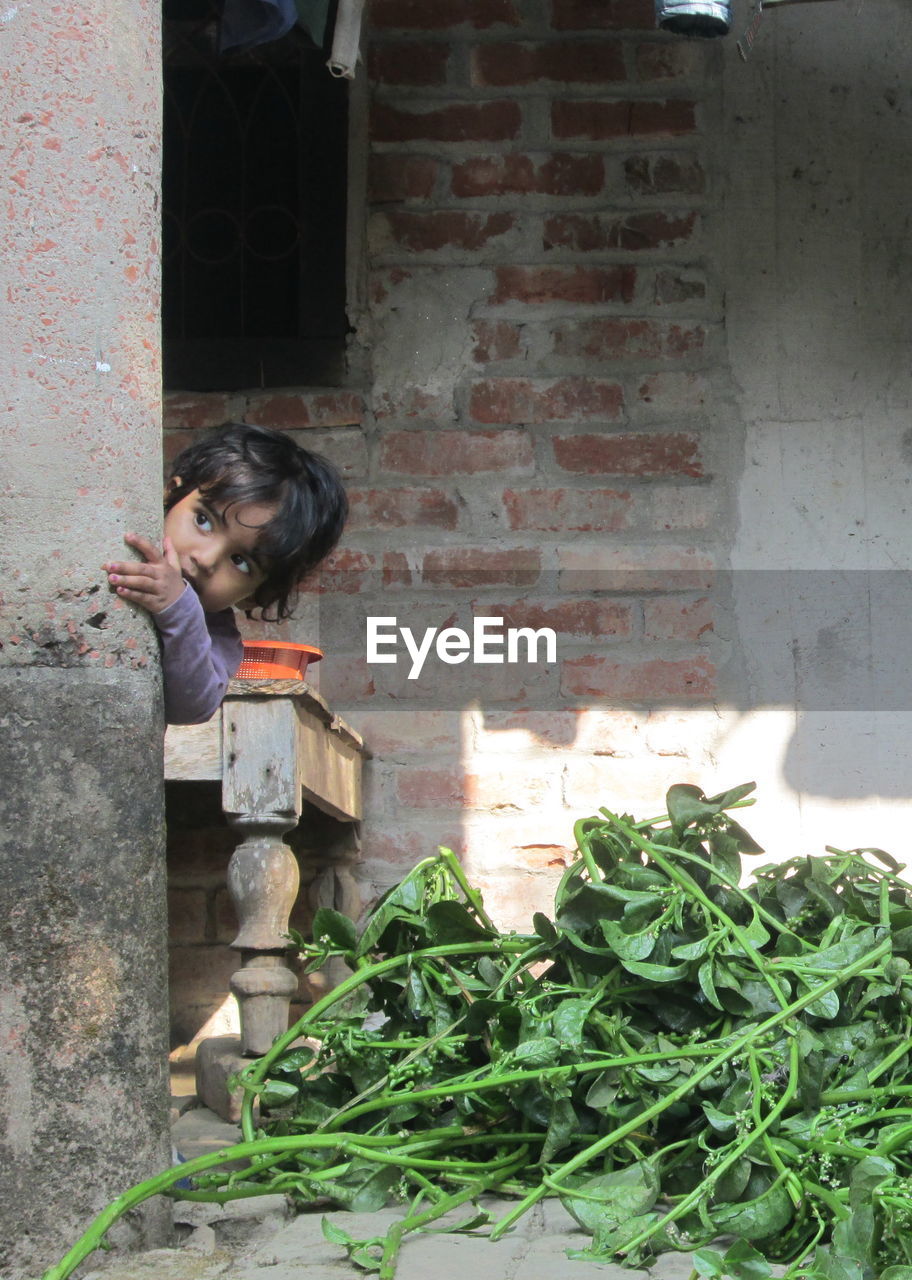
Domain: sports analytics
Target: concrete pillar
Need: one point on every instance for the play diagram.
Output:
(83, 1093)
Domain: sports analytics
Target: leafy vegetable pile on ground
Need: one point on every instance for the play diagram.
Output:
(678, 1058)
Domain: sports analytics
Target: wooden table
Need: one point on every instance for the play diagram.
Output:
(273, 745)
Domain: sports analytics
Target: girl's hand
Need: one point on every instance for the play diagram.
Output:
(153, 583)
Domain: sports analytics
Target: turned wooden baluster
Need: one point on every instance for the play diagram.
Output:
(261, 796)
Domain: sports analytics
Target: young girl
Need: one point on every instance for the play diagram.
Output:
(247, 514)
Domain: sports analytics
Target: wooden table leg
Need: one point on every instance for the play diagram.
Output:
(261, 797)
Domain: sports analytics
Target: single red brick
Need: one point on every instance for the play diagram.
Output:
(408, 64)
(516, 788)
(454, 122)
(187, 915)
(406, 401)
(589, 618)
(673, 453)
(675, 619)
(682, 507)
(402, 846)
(560, 510)
(670, 392)
(564, 61)
(670, 59)
(346, 679)
(401, 508)
(595, 676)
(401, 177)
(564, 284)
(542, 400)
(665, 175)
(495, 340)
(397, 572)
(553, 175)
(408, 731)
(200, 410)
(599, 15)
(609, 338)
(418, 15)
(226, 921)
(431, 788)
(301, 409)
(597, 120)
(587, 233)
(682, 285)
(438, 453)
(447, 229)
(173, 442)
(613, 567)
(459, 567)
(345, 570)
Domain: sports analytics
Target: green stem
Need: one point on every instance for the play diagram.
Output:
(393, 1240)
(734, 1154)
(355, 1144)
(257, 1072)
(737, 1045)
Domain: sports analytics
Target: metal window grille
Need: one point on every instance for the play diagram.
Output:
(254, 198)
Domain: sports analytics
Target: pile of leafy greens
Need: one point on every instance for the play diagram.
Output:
(680, 1059)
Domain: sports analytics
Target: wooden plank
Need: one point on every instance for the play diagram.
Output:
(193, 752)
(259, 743)
(329, 769)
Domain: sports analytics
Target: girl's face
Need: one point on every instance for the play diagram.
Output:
(217, 549)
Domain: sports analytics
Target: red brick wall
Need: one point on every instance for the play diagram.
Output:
(537, 440)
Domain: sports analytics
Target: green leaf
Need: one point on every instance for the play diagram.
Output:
(688, 806)
(569, 1022)
(334, 1234)
(607, 1200)
(844, 953)
(335, 928)
(449, 921)
(694, 950)
(827, 1006)
(707, 1262)
(655, 972)
(743, 1262)
(296, 1059)
(746, 842)
(561, 1128)
(603, 1090)
(854, 1236)
(867, 1175)
(544, 927)
(724, 855)
(627, 946)
(707, 983)
(766, 1216)
(541, 1051)
(278, 1093)
(721, 1121)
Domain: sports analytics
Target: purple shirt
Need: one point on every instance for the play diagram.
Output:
(200, 654)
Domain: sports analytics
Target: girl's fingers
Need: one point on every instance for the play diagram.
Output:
(145, 548)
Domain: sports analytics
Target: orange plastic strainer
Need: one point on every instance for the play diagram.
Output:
(276, 660)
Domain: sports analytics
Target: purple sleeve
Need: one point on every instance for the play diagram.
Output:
(200, 653)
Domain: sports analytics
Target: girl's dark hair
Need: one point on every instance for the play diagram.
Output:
(238, 463)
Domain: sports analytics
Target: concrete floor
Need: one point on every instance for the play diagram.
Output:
(259, 1240)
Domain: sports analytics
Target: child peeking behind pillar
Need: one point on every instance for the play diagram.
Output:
(247, 514)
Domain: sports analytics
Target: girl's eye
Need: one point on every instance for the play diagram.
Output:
(202, 521)
(239, 562)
